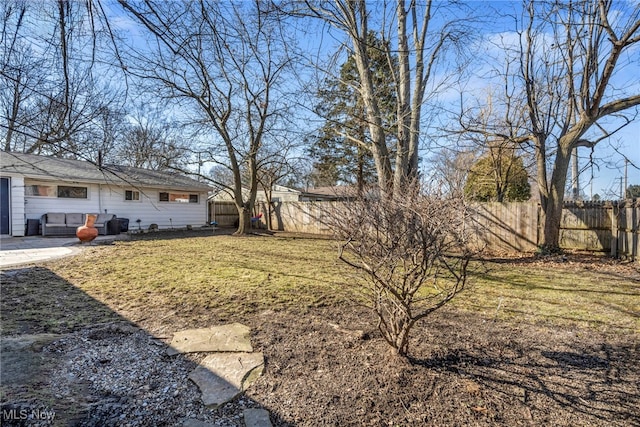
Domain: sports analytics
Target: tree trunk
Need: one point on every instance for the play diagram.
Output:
(244, 220)
(553, 207)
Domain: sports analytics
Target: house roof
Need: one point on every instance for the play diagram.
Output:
(47, 168)
(333, 193)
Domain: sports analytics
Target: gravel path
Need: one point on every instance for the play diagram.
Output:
(119, 375)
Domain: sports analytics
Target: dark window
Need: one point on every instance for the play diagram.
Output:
(131, 195)
(179, 198)
(72, 192)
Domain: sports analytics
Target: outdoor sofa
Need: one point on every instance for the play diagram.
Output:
(63, 224)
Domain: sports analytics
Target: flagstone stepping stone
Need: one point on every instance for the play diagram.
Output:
(255, 417)
(193, 422)
(222, 377)
(232, 337)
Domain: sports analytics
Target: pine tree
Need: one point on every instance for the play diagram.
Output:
(338, 158)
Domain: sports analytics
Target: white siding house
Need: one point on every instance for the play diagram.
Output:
(38, 185)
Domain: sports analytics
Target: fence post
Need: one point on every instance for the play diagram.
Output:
(614, 229)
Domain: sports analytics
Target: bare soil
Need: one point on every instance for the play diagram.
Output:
(465, 371)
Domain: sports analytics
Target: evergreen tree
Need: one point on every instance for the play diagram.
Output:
(498, 178)
(337, 158)
(633, 192)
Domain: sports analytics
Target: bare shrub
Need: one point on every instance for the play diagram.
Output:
(410, 252)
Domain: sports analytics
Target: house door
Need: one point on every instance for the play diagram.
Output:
(4, 206)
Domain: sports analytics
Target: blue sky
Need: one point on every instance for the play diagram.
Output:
(609, 154)
(603, 176)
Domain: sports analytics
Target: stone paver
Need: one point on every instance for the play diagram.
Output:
(223, 376)
(192, 422)
(232, 337)
(255, 417)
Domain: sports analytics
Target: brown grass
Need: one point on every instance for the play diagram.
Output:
(200, 279)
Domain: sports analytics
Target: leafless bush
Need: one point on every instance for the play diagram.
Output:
(410, 252)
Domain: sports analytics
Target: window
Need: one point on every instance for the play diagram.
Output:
(40, 190)
(62, 191)
(66, 192)
(178, 197)
(131, 195)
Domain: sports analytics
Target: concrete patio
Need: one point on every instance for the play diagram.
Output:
(32, 249)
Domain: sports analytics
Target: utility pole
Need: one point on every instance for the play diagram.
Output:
(621, 179)
(626, 185)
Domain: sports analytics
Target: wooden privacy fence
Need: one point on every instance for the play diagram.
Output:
(224, 213)
(611, 227)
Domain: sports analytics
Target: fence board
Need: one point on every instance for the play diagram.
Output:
(514, 227)
(224, 213)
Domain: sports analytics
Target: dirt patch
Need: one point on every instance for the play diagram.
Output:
(465, 371)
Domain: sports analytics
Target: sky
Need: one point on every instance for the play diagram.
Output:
(603, 175)
(321, 42)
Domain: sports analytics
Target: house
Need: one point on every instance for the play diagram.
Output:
(279, 193)
(33, 185)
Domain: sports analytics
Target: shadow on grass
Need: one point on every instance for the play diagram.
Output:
(599, 385)
(68, 359)
(530, 284)
(169, 234)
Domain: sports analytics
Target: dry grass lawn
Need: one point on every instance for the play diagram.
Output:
(227, 277)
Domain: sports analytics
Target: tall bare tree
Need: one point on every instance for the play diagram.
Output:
(565, 76)
(52, 101)
(418, 36)
(149, 140)
(228, 61)
(590, 40)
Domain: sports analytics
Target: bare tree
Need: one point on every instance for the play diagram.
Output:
(418, 36)
(276, 164)
(411, 253)
(226, 60)
(450, 168)
(564, 76)
(149, 140)
(52, 101)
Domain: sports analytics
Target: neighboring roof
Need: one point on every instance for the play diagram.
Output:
(225, 194)
(334, 192)
(282, 189)
(44, 167)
